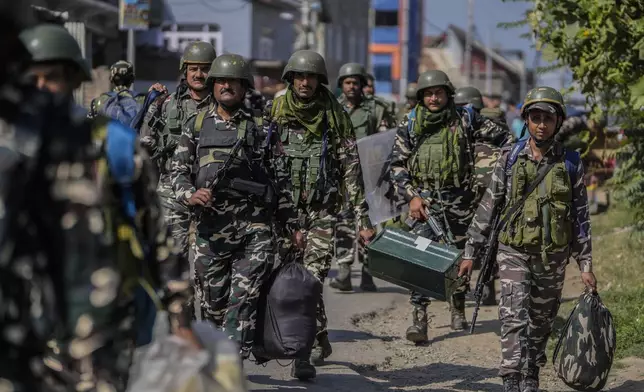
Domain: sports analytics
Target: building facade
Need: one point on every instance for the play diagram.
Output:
(396, 24)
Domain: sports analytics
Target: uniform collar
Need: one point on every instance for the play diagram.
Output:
(555, 150)
(240, 114)
(344, 101)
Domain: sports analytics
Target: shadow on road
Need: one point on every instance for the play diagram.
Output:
(629, 386)
(346, 336)
(428, 378)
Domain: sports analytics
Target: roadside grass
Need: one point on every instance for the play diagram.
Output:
(618, 263)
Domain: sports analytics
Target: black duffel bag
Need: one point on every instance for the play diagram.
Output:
(586, 347)
(286, 316)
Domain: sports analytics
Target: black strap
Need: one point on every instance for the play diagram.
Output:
(541, 174)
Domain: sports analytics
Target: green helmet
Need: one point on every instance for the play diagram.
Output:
(545, 98)
(306, 61)
(469, 95)
(410, 93)
(370, 76)
(51, 42)
(198, 52)
(352, 69)
(433, 78)
(122, 73)
(231, 66)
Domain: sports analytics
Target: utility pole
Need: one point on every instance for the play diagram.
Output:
(131, 45)
(468, 41)
(404, 55)
(488, 63)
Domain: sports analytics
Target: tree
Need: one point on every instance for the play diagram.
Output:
(602, 43)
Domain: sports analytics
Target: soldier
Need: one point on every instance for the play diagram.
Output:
(487, 149)
(161, 130)
(320, 151)
(369, 90)
(368, 116)
(545, 227)
(122, 79)
(234, 245)
(82, 283)
(432, 167)
(410, 101)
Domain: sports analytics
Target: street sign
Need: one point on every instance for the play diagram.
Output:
(134, 14)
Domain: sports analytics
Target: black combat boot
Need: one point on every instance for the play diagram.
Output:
(457, 309)
(530, 382)
(343, 281)
(417, 333)
(302, 370)
(489, 294)
(511, 383)
(322, 349)
(366, 281)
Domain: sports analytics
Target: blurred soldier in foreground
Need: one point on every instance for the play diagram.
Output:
(223, 169)
(538, 191)
(320, 152)
(368, 116)
(109, 242)
(162, 126)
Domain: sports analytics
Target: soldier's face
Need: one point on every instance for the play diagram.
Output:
(351, 87)
(369, 89)
(229, 92)
(434, 98)
(196, 75)
(541, 125)
(305, 84)
(55, 78)
(412, 102)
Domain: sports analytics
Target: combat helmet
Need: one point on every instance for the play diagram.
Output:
(122, 73)
(305, 61)
(433, 78)
(410, 93)
(52, 42)
(198, 52)
(469, 95)
(352, 69)
(544, 98)
(231, 66)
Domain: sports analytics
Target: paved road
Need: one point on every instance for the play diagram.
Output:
(349, 343)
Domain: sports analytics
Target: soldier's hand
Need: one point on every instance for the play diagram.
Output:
(465, 269)
(366, 235)
(417, 209)
(590, 281)
(201, 197)
(158, 87)
(298, 240)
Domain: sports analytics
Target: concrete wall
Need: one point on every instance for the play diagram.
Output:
(272, 38)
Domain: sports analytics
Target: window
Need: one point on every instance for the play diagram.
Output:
(382, 72)
(265, 48)
(386, 18)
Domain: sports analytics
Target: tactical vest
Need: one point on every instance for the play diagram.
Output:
(364, 121)
(430, 153)
(544, 223)
(304, 160)
(214, 147)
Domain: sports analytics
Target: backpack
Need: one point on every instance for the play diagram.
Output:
(122, 106)
(120, 145)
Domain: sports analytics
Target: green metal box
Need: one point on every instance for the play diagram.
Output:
(414, 262)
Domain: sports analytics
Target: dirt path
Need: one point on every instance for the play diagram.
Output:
(459, 361)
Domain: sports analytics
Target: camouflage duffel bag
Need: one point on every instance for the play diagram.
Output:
(585, 350)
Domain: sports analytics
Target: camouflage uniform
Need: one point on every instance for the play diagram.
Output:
(235, 243)
(69, 301)
(160, 133)
(370, 116)
(438, 167)
(320, 172)
(532, 276)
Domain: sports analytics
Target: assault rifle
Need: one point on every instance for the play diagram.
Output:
(434, 225)
(222, 170)
(487, 268)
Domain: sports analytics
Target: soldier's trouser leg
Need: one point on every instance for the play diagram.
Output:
(177, 216)
(530, 298)
(345, 240)
(251, 268)
(317, 259)
(212, 279)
